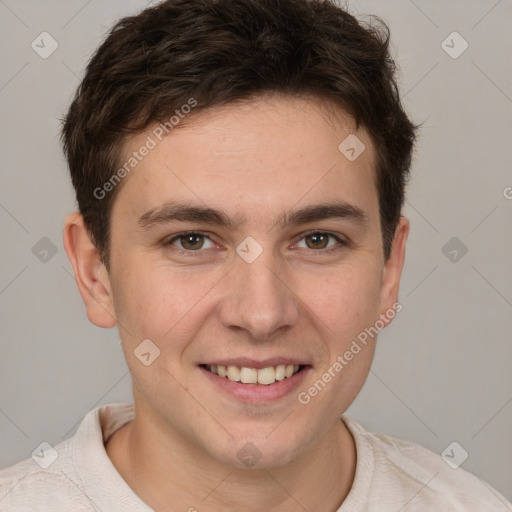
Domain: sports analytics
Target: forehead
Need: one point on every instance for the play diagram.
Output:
(259, 156)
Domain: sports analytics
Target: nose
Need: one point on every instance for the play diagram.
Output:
(259, 298)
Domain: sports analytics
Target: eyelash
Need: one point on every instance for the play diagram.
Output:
(341, 243)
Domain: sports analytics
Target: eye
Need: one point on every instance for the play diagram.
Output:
(190, 241)
(319, 240)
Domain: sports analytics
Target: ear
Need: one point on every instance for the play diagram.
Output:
(393, 271)
(90, 273)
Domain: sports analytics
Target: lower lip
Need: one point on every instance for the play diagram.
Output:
(257, 393)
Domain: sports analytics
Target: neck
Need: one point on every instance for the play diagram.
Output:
(169, 473)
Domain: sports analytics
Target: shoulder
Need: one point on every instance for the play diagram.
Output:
(408, 473)
(55, 478)
(29, 485)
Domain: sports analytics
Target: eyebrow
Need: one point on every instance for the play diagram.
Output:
(185, 212)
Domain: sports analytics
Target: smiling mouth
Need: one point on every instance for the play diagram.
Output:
(264, 376)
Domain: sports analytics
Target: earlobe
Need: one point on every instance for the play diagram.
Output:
(393, 272)
(90, 274)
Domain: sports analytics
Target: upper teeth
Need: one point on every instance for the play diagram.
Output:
(245, 375)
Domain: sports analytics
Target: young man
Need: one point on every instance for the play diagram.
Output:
(240, 168)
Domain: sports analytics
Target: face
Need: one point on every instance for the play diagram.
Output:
(259, 281)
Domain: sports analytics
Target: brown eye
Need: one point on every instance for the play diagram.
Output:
(190, 241)
(318, 240)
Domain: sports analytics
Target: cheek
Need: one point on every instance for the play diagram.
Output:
(349, 352)
(161, 303)
(346, 301)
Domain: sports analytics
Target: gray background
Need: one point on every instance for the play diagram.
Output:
(442, 369)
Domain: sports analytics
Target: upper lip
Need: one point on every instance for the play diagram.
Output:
(257, 364)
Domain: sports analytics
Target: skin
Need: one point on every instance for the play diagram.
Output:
(258, 159)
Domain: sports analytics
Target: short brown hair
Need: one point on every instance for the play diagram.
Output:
(221, 51)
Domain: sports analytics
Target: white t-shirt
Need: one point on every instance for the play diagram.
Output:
(391, 476)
